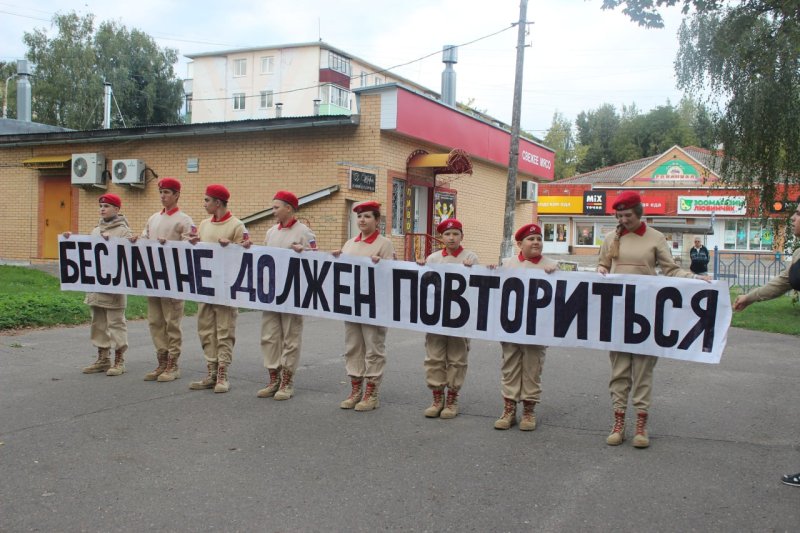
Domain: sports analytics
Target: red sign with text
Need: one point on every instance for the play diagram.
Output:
(653, 204)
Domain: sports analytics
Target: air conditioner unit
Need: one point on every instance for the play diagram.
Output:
(529, 190)
(88, 170)
(128, 172)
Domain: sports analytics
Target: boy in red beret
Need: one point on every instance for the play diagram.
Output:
(216, 324)
(108, 310)
(634, 248)
(446, 356)
(164, 315)
(365, 346)
(521, 373)
(281, 333)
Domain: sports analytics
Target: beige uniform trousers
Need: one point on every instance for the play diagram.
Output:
(216, 326)
(164, 317)
(629, 370)
(281, 338)
(365, 350)
(446, 361)
(109, 328)
(521, 373)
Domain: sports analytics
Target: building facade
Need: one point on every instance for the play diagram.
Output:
(288, 80)
(421, 159)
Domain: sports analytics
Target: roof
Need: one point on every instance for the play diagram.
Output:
(11, 126)
(175, 130)
(622, 172)
(317, 44)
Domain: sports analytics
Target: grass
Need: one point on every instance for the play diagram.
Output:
(30, 298)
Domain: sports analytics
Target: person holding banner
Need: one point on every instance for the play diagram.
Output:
(446, 356)
(781, 284)
(521, 372)
(108, 310)
(634, 248)
(216, 324)
(281, 333)
(365, 348)
(164, 315)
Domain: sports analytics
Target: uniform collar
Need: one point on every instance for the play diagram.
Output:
(171, 211)
(639, 231)
(225, 217)
(445, 253)
(288, 224)
(370, 239)
(534, 260)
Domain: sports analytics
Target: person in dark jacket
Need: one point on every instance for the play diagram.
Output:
(699, 256)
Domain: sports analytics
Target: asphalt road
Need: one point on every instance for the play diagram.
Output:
(96, 453)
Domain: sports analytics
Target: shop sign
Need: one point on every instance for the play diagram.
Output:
(444, 206)
(594, 202)
(653, 204)
(364, 181)
(675, 171)
(707, 205)
(560, 204)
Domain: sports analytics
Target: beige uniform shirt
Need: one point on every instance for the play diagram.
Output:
(285, 237)
(168, 225)
(639, 254)
(514, 262)
(776, 286)
(439, 258)
(231, 228)
(115, 228)
(381, 246)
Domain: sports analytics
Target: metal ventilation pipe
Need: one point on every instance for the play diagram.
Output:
(23, 91)
(106, 105)
(449, 58)
(316, 106)
(278, 110)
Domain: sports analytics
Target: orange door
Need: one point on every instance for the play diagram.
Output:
(56, 216)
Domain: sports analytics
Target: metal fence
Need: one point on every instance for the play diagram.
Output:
(747, 269)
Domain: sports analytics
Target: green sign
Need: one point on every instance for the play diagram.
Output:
(675, 170)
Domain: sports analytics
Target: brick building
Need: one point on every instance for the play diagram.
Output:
(421, 159)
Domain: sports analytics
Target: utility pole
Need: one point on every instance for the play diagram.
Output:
(513, 153)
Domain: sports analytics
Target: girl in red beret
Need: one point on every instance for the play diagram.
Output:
(634, 248)
(108, 310)
(446, 359)
(521, 373)
(365, 347)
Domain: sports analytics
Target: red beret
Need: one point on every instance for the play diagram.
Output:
(220, 192)
(627, 200)
(288, 197)
(367, 206)
(527, 229)
(112, 199)
(449, 223)
(169, 183)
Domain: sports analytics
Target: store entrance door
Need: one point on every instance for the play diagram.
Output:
(556, 236)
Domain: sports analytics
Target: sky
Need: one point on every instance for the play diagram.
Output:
(578, 57)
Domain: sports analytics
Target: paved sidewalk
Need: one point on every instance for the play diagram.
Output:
(95, 453)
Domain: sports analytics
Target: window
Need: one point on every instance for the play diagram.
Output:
(267, 64)
(189, 104)
(331, 94)
(239, 67)
(338, 63)
(378, 80)
(238, 101)
(584, 234)
(748, 235)
(398, 206)
(363, 78)
(266, 99)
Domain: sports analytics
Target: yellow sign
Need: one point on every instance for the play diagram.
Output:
(560, 204)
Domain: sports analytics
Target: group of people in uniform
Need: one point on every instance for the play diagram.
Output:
(633, 248)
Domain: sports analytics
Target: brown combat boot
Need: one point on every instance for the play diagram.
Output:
(209, 381)
(273, 385)
(509, 416)
(617, 434)
(355, 394)
(451, 404)
(640, 438)
(370, 400)
(286, 389)
(528, 420)
(438, 403)
(172, 372)
(162, 365)
(223, 385)
(119, 364)
(101, 365)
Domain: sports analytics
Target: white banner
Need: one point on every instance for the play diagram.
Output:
(668, 317)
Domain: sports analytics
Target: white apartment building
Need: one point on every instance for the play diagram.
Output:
(302, 79)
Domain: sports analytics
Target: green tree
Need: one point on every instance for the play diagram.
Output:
(744, 56)
(596, 131)
(559, 137)
(72, 66)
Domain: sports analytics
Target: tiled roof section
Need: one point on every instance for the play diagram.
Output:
(620, 173)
